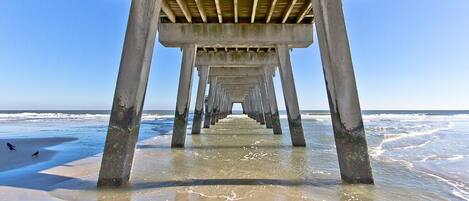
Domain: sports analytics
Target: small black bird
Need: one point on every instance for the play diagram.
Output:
(36, 154)
(11, 147)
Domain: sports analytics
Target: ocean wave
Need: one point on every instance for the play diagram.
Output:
(434, 157)
(50, 116)
(460, 189)
(390, 117)
(388, 138)
(156, 116)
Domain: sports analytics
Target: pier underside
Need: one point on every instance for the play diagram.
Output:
(236, 52)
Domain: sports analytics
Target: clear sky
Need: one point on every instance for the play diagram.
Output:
(407, 54)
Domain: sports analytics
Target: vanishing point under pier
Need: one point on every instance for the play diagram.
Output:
(235, 47)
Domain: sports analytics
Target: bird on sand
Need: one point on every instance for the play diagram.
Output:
(36, 154)
(11, 147)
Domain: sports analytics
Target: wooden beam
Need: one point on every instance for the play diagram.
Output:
(217, 4)
(235, 5)
(271, 10)
(303, 13)
(200, 7)
(288, 11)
(167, 10)
(253, 13)
(182, 4)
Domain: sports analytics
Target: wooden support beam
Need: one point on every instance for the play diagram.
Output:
(253, 12)
(271, 10)
(288, 11)
(235, 8)
(303, 13)
(182, 4)
(217, 5)
(200, 7)
(166, 9)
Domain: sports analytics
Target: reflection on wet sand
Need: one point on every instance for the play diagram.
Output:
(236, 159)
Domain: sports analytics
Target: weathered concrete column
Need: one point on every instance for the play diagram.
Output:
(215, 105)
(129, 95)
(211, 101)
(260, 110)
(243, 106)
(199, 104)
(291, 99)
(231, 107)
(273, 102)
(253, 106)
(265, 102)
(219, 105)
(222, 106)
(351, 145)
(247, 106)
(184, 96)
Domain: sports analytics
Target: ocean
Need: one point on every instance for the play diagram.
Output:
(427, 151)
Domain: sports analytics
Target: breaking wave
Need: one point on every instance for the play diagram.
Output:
(51, 116)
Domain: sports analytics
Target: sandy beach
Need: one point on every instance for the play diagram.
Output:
(22, 156)
(237, 159)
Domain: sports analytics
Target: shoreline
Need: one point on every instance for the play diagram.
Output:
(25, 147)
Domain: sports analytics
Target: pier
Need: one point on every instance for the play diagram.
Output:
(236, 47)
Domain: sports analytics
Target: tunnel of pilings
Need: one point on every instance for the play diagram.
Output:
(236, 47)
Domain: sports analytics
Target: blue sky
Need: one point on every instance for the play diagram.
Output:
(407, 54)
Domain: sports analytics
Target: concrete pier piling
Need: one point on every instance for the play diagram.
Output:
(260, 109)
(211, 101)
(276, 126)
(265, 103)
(289, 94)
(199, 104)
(349, 132)
(239, 61)
(184, 96)
(215, 105)
(130, 91)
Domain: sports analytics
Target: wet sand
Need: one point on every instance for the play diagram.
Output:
(25, 148)
(237, 159)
